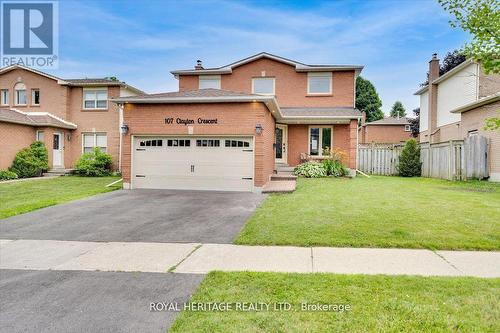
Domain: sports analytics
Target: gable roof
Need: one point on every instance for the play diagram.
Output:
(36, 119)
(299, 67)
(389, 121)
(445, 76)
(75, 82)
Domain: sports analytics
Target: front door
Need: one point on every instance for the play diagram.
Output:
(57, 151)
(281, 143)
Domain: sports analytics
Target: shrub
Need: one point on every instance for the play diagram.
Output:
(94, 164)
(7, 175)
(30, 161)
(335, 168)
(310, 170)
(409, 161)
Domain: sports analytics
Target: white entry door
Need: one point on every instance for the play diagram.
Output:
(57, 151)
(200, 163)
(281, 143)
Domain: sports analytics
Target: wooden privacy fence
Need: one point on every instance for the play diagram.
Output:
(453, 160)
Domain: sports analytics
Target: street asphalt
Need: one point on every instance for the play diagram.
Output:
(84, 301)
(139, 216)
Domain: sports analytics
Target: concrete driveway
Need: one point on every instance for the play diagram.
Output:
(80, 301)
(139, 216)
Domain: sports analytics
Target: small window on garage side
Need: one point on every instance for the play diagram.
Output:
(237, 143)
(207, 143)
(407, 128)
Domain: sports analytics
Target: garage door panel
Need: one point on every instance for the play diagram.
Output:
(207, 167)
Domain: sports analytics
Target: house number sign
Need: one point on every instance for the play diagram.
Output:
(185, 122)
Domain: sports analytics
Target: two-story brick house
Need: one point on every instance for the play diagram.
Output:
(70, 115)
(228, 127)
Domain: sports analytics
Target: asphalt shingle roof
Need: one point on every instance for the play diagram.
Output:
(31, 119)
(194, 93)
(390, 121)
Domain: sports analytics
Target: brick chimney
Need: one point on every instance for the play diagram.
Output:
(363, 118)
(433, 75)
(198, 65)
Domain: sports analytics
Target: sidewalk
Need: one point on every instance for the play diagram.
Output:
(202, 258)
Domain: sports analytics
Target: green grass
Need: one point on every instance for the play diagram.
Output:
(25, 196)
(380, 212)
(378, 303)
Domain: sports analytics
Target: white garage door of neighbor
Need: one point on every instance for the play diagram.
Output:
(222, 163)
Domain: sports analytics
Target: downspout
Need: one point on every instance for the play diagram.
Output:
(120, 123)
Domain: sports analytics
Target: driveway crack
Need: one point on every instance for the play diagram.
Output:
(446, 261)
(174, 267)
(312, 261)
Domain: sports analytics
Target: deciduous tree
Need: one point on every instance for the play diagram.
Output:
(367, 100)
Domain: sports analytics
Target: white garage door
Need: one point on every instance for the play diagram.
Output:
(202, 163)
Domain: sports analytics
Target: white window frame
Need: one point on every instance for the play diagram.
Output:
(17, 89)
(37, 137)
(209, 78)
(320, 140)
(264, 78)
(4, 96)
(407, 128)
(95, 91)
(33, 96)
(94, 141)
(310, 75)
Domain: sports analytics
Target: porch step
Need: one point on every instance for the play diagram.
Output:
(59, 172)
(284, 168)
(279, 186)
(283, 176)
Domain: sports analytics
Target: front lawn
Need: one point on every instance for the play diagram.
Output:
(380, 212)
(378, 303)
(24, 196)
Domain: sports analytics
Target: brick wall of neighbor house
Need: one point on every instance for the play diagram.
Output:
(89, 121)
(13, 138)
(474, 120)
(53, 97)
(291, 86)
(233, 119)
(344, 137)
(384, 134)
(488, 84)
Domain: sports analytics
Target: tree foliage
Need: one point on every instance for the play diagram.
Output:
(492, 124)
(409, 160)
(94, 164)
(481, 19)
(367, 100)
(415, 123)
(398, 110)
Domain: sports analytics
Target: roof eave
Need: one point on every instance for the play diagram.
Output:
(221, 99)
(484, 101)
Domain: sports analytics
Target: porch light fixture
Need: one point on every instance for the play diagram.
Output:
(124, 128)
(259, 128)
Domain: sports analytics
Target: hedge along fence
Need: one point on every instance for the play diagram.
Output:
(453, 160)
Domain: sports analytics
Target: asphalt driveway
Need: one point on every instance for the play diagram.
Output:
(81, 301)
(139, 216)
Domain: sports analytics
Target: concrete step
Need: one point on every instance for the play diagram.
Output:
(59, 172)
(284, 169)
(283, 176)
(279, 186)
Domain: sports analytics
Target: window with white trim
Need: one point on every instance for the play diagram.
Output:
(320, 140)
(20, 94)
(407, 128)
(263, 85)
(91, 140)
(95, 99)
(40, 136)
(209, 81)
(319, 82)
(35, 96)
(4, 96)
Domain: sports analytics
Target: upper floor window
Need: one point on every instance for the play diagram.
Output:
(263, 85)
(20, 94)
(35, 96)
(4, 96)
(319, 83)
(95, 98)
(209, 81)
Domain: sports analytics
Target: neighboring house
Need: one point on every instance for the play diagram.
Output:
(387, 130)
(227, 128)
(456, 105)
(70, 115)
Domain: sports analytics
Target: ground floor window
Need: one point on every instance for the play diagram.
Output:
(40, 136)
(91, 140)
(320, 140)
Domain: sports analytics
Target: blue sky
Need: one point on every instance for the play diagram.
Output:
(141, 41)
